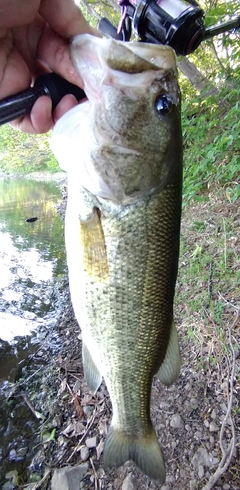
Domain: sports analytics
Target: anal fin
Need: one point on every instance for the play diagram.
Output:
(91, 372)
(170, 367)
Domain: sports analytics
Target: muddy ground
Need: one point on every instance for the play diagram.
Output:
(188, 417)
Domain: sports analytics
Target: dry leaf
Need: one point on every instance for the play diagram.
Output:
(99, 448)
(62, 386)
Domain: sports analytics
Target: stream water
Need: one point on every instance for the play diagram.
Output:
(32, 263)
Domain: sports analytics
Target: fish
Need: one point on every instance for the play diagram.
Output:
(122, 151)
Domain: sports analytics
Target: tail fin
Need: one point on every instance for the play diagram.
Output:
(143, 450)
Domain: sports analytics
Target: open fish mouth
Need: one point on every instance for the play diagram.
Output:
(130, 87)
(127, 57)
(115, 63)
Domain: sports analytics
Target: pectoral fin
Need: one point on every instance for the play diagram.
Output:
(94, 249)
(170, 368)
(91, 373)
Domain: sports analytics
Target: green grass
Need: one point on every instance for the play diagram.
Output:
(209, 270)
(211, 137)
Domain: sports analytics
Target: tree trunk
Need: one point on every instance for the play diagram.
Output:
(195, 77)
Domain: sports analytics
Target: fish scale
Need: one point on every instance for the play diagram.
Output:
(124, 164)
(135, 324)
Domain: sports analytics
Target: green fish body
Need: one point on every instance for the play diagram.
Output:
(122, 232)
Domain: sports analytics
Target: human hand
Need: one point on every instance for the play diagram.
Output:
(34, 38)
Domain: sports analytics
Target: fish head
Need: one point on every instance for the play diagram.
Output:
(132, 136)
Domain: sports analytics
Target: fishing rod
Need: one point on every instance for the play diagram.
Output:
(49, 84)
(176, 23)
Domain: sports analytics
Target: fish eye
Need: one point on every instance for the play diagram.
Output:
(163, 105)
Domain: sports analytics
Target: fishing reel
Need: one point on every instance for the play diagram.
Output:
(176, 23)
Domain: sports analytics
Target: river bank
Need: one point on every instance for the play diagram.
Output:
(71, 423)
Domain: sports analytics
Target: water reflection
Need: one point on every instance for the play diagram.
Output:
(25, 263)
(12, 326)
(21, 199)
(31, 253)
(32, 260)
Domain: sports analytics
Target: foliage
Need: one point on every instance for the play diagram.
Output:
(211, 135)
(210, 119)
(223, 51)
(23, 153)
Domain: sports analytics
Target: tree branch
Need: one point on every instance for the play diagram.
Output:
(228, 453)
(90, 9)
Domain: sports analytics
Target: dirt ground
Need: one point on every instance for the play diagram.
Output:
(192, 418)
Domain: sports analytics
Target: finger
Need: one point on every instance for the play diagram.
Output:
(53, 49)
(67, 103)
(14, 72)
(40, 120)
(17, 13)
(64, 17)
(54, 52)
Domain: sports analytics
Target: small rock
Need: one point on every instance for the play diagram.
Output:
(176, 421)
(200, 471)
(198, 434)
(129, 483)
(223, 407)
(84, 453)
(226, 486)
(165, 487)
(165, 406)
(215, 461)
(39, 353)
(12, 455)
(214, 414)
(91, 442)
(201, 457)
(68, 478)
(206, 423)
(170, 479)
(8, 486)
(213, 427)
(22, 451)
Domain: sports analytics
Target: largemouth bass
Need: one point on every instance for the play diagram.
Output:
(122, 150)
